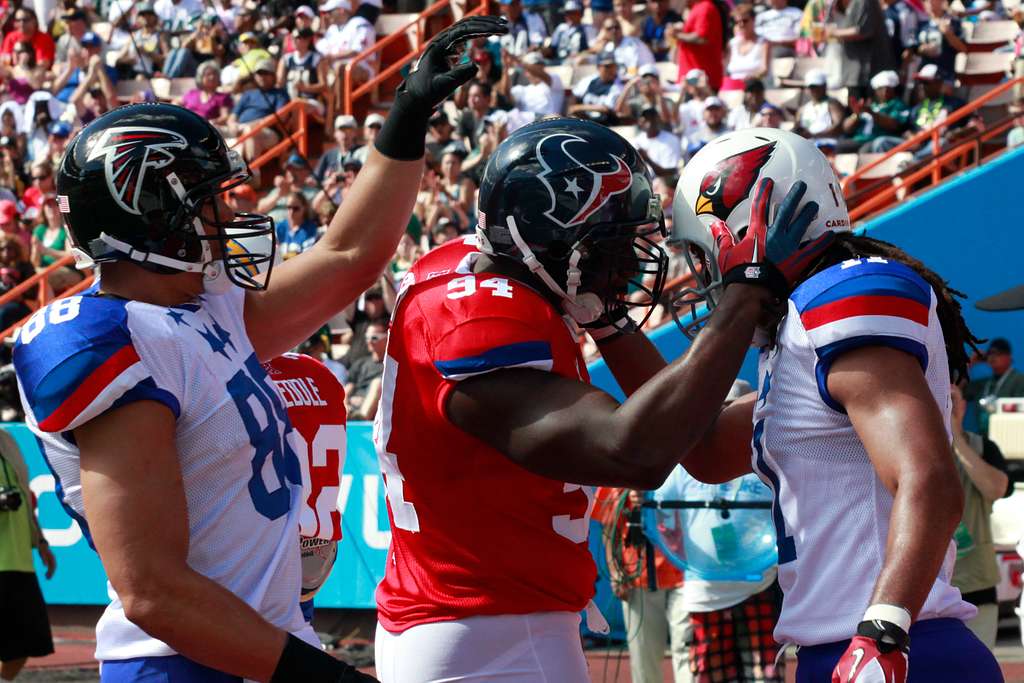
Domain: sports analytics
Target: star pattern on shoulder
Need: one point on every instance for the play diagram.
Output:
(217, 344)
(223, 335)
(178, 318)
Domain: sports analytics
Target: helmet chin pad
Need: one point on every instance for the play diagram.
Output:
(586, 308)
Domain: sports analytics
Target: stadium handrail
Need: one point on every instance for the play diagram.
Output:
(933, 134)
(350, 95)
(299, 136)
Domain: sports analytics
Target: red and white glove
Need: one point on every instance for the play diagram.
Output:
(879, 651)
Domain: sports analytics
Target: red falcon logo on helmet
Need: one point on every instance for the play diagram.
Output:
(579, 182)
(731, 180)
(128, 153)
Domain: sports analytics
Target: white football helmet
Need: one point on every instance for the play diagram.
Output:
(718, 184)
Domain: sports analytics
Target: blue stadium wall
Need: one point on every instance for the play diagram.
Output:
(969, 230)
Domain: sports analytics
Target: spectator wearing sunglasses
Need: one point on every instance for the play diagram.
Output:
(297, 232)
(26, 30)
(362, 392)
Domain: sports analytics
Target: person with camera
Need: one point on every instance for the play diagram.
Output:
(24, 627)
(1004, 382)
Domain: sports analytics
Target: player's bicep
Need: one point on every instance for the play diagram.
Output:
(133, 494)
(723, 453)
(886, 396)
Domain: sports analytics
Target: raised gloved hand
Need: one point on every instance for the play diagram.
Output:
(431, 80)
(877, 654)
(772, 253)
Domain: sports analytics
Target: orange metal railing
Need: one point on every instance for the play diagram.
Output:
(931, 171)
(350, 94)
(296, 117)
(45, 294)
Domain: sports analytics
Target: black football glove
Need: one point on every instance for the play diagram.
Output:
(432, 79)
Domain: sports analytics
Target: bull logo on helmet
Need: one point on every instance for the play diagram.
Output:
(730, 180)
(128, 152)
(579, 177)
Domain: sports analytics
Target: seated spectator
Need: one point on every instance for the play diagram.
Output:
(828, 147)
(335, 185)
(653, 31)
(177, 15)
(144, 54)
(254, 105)
(346, 132)
(48, 238)
(933, 107)
(699, 42)
(42, 187)
(10, 226)
(769, 116)
(371, 128)
(535, 98)
(1003, 382)
(622, 12)
(303, 72)
(642, 92)
(595, 97)
(362, 392)
(91, 100)
(712, 126)
(471, 118)
(821, 116)
(297, 177)
(748, 54)
(457, 191)
(858, 43)
(318, 346)
(26, 30)
(940, 37)
(297, 232)
(440, 134)
(76, 23)
(658, 147)
(205, 43)
(10, 128)
(41, 110)
(902, 23)
(527, 30)
(444, 231)
(304, 18)
(877, 125)
(11, 184)
(629, 53)
(19, 81)
(742, 116)
(242, 71)
(206, 99)
(369, 308)
(572, 37)
(355, 36)
(779, 26)
(14, 269)
(691, 107)
(85, 64)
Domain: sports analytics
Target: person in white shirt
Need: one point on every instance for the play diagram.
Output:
(357, 34)
(747, 53)
(658, 147)
(534, 97)
(691, 107)
(779, 26)
(596, 95)
(820, 116)
(712, 127)
(177, 15)
(743, 116)
(630, 53)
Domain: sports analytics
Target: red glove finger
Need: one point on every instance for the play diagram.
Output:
(723, 236)
(864, 662)
(758, 228)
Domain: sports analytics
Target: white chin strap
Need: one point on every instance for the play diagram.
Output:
(584, 307)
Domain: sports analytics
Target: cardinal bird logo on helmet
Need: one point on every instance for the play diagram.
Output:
(579, 177)
(128, 153)
(730, 181)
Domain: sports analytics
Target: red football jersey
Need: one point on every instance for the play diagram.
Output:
(472, 532)
(316, 409)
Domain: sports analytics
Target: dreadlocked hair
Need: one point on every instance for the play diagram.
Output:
(955, 332)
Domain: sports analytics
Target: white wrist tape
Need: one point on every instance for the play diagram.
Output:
(891, 613)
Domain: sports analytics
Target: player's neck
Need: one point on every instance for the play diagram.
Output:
(129, 281)
(515, 271)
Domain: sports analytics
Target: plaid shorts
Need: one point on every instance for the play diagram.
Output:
(735, 644)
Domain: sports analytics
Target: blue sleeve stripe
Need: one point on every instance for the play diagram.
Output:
(829, 353)
(147, 390)
(878, 284)
(855, 271)
(531, 354)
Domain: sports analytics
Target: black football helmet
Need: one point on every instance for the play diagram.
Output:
(132, 184)
(571, 200)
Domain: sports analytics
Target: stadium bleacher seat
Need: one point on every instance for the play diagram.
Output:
(784, 98)
(731, 98)
(389, 23)
(668, 72)
(986, 36)
(128, 89)
(801, 65)
(977, 68)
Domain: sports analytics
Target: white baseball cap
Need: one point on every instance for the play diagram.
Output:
(345, 121)
(816, 77)
(694, 76)
(374, 120)
(885, 79)
(713, 101)
(332, 5)
(648, 70)
(928, 72)
(305, 10)
(372, 3)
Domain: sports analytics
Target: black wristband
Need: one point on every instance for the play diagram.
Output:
(888, 635)
(764, 274)
(301, 662)
(404, 133)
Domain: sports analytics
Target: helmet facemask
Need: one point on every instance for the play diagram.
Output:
(698, 301)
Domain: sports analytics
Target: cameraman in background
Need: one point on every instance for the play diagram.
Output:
(25, 627)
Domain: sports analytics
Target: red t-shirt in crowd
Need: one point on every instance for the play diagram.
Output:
(43, 44)
(705, 21)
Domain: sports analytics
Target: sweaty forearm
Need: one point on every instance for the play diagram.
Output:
(926, 510)
(632, 359)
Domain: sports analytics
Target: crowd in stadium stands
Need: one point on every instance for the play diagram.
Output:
(857, 76)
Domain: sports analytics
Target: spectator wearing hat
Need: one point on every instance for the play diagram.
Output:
(42, 186)
(177, 15)
(49, 241)
(940, 37)
(25, 76)
(371, 129)
(242, 71)
(303, 72)
(85, 64)
(254, 105)
(572, 37)
(877, 125)
(629, 53)
(57, 140)
(641, 92)
(440, 134)
(527, 30)
(821, 116)
(1004, 382)
(713, 124)
(747, 55)
(206, 99)
(653, 31)
(858, 43)
(11, 226)
(26, 30)
(933, 106)
(76, 23)
(691, 107)
(346, 134)
(595, 97)
(304, 18)
(700, 40)
(658, 147)
(769, 116)
(343, 42)
(742, 116)
(297, 177)
(144, 53)
(535, 98)
(779, 26)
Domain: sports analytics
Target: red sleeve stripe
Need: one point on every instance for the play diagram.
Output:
(90, 389)
(850, 307)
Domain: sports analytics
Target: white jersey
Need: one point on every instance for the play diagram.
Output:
(831, 511)
(80, 356)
